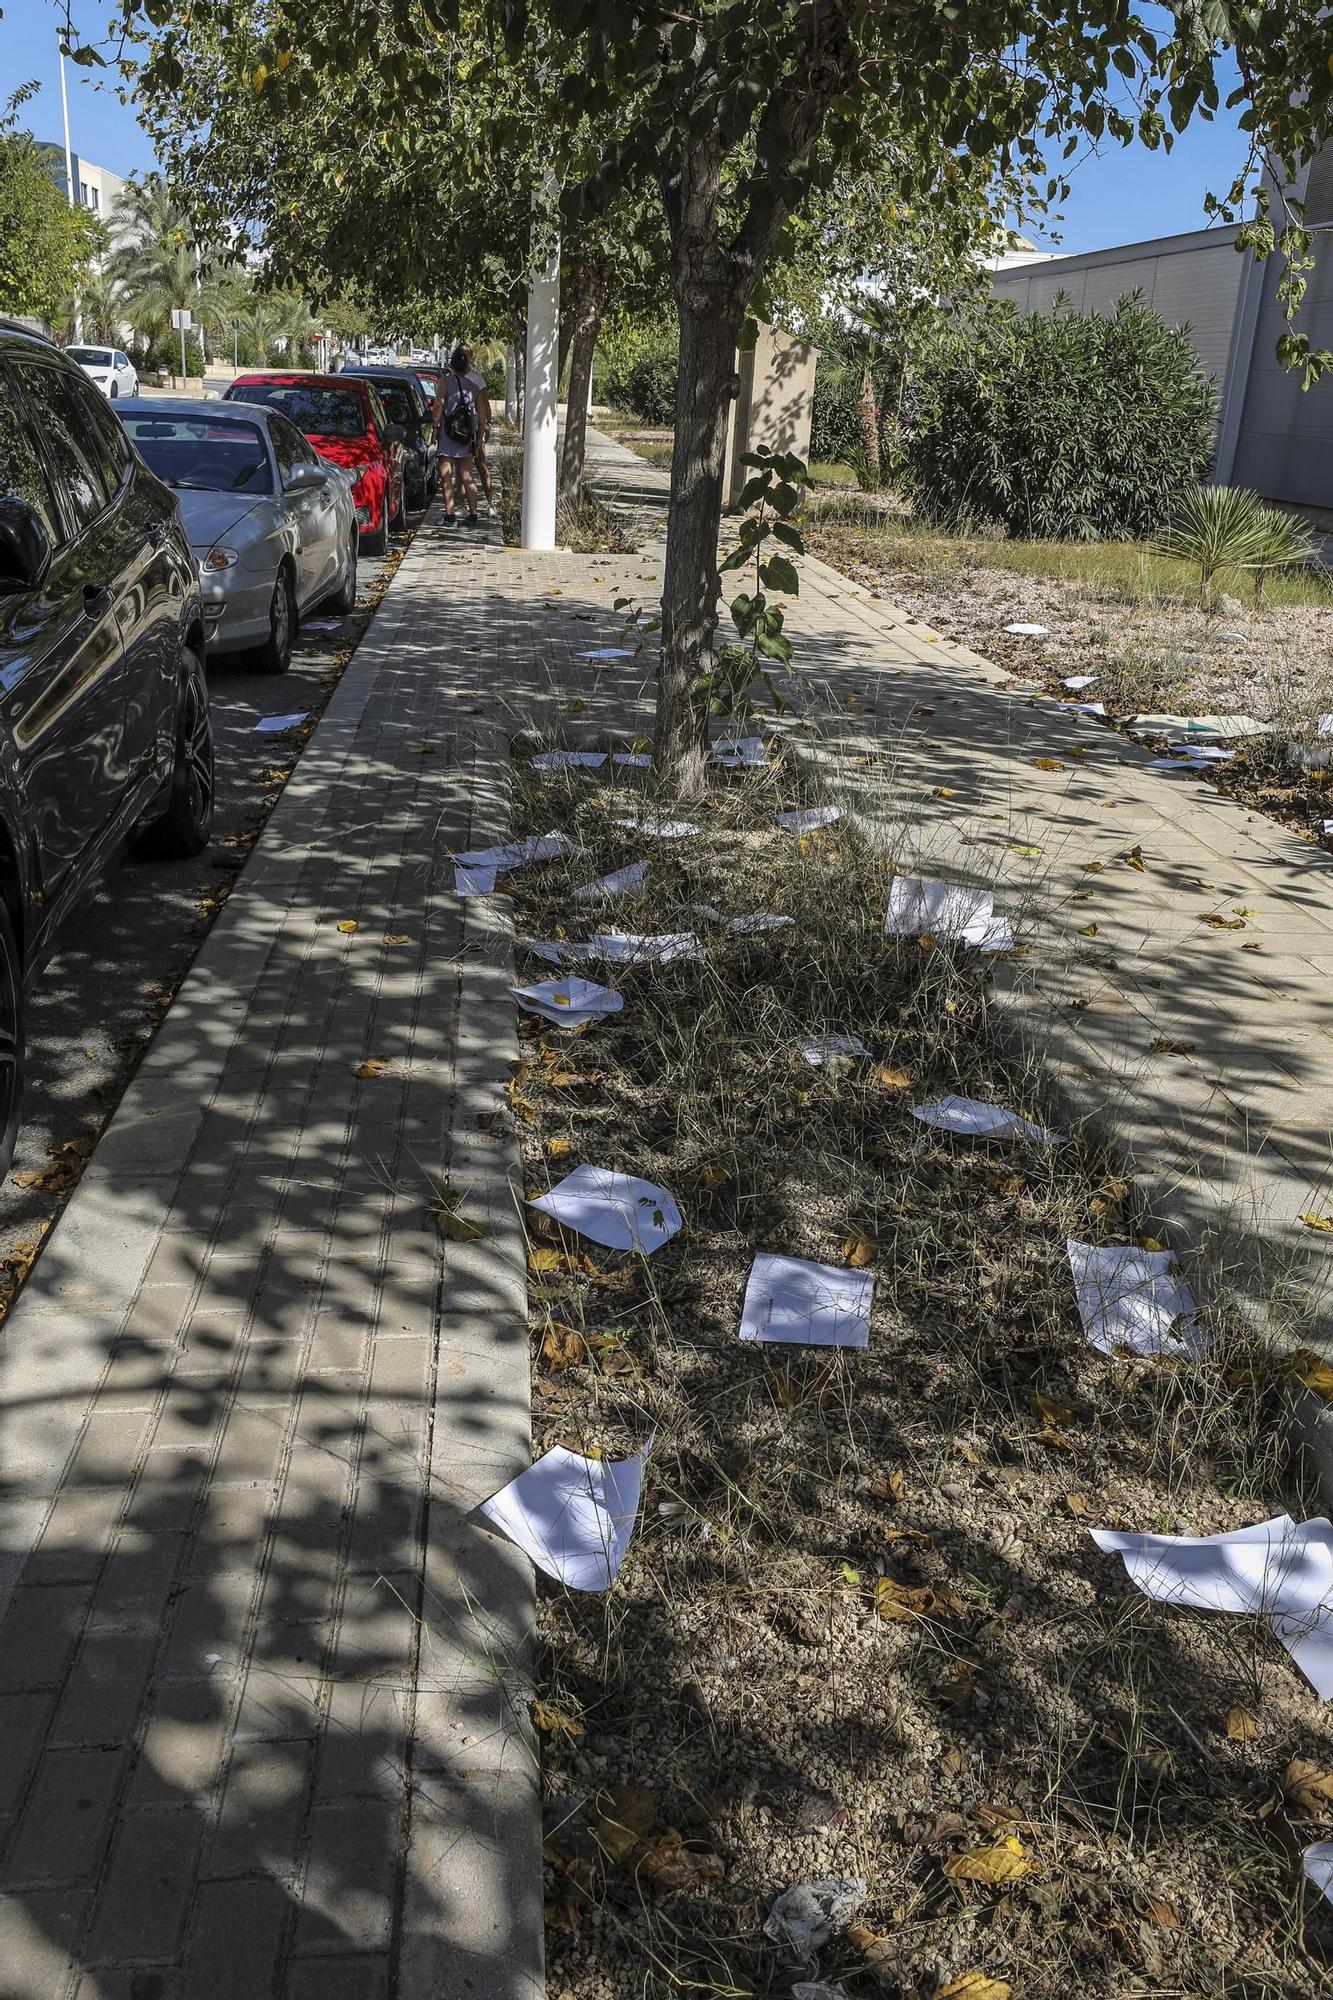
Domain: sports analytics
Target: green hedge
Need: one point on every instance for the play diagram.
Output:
(835, 422)
(1078, 426)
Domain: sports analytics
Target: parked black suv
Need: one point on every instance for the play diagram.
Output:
(407, 403)
(104, 721)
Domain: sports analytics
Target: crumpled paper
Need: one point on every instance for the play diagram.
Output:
(805, 1916)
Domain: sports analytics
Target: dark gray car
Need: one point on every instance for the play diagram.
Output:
(273, 526)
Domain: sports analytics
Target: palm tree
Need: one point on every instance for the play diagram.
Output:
(273, 317)
(101, 305)
(158, 262)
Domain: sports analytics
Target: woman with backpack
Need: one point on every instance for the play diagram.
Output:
(465, 415)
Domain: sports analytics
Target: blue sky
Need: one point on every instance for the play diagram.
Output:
(1119, 196)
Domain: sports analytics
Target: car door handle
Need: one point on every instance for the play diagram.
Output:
(96, 599)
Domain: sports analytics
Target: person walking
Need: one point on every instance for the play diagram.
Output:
(478, 381)
(464, 416)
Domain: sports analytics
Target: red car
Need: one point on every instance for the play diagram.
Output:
(344, 419)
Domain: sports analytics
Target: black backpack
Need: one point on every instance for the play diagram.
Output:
(457, 422)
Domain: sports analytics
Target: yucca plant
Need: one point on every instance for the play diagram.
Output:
(1219, 528)
(1287, 544)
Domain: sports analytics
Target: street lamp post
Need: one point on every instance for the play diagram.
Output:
(69, 158)
(540, 387)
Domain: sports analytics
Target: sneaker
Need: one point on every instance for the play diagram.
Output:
(471, 521)
(450, 521)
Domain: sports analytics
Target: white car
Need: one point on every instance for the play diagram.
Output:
(112, 371)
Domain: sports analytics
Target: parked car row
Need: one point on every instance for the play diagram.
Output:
(136, 536)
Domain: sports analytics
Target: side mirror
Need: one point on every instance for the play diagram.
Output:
(393, 434)
(25, 546)
(304, 479)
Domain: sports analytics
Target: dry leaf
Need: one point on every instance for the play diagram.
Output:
(456, 1228)
(1316, 1221)
(1094, 867)
(1151, 1243)
(626, 1813)
(1167, 1045)
(711, 1174)
(859, 1249)
(1158, 1910)
(975, 1986)
(1079, 1506)
(1000, 1861)
(1240, 1725)
(1306, 1786)
(959, 1686)
(552, 1722)
(558, 1149)
(1048, 764)
(671, 1866)
(1047, 1412)
(1134, 859)
(1312, 1371)
(397, 937)
(563, 1347)
(943, 792)
(901, 1603)
(1217, 923)
(1087, 930)
(1053, 1440)
(891, 1079)
(372, 1066)
(547, 1260)
(348, 927)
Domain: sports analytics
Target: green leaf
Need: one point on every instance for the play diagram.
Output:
(794, 539)
(779, 573)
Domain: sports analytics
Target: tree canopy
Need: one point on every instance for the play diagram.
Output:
(46, 244)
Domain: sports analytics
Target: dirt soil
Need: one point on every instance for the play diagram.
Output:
(862, 1631)
(1150, 653)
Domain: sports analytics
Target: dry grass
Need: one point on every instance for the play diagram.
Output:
(588, 528)
(734, 1716)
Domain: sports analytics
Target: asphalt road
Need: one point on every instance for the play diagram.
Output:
(98, 1002)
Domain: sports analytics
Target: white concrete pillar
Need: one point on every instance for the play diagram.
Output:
(511, 386)
(539, 394)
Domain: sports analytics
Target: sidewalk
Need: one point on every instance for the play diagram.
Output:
(263, 1727)
(1207, 1051)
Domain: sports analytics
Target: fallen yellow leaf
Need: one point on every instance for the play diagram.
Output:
(1048, 1412)
(1312, 1371)
(1000, 1861)
(891, 1079)
(372, 1066)
(1315, 1221)
(559, 1149)
(1049, 764)
(348, 927)
(1307, 1786)
(397, 937)
(901, 1603)
(975, 1986)
(1134, 859)
(1240, 1725)
(860, 1249)
(1217, 923)
(1087, 930)
(552, 1722)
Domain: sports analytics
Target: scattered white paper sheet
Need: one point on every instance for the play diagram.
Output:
(1205, 753)
(1085, 707)
(573, 1516)
(733, 752)
(321, 624)
(1029, 631)
(517, 853)
(804, 1917)
(661, 829)
(474, 881)
(608, 653)
(1133, 1298)
(619, 1210)
(973, 1118)
(806, 1305)
(1170, 724)
(807, 821)
(618, 948)
(568, 1002)
(1278, 1570)
(762, 920)
(1327, 826)
(569, 760)
(819, 1049)
(1326, 725)
(620, 882)
(632, 760)
(947, 910)
(1317, 1863)
(1076, 682)
(273, 724)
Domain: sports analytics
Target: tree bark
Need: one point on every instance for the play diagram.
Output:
(593, 282)
(868, 418)
(710, 325)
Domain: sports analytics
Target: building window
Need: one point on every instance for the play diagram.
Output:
(96, 201)
(84, 194)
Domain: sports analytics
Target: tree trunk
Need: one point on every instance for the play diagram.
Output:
(521, 362)
(593, 281)
(868, 418)
(711, 314)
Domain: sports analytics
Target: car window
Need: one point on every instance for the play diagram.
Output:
(21, 470)
(318, 412)
(286, 441)
(103, 437)
(90, 357)
(81, 483)
(377, 409)
(122, 360)
(202, 454)
(399, 402)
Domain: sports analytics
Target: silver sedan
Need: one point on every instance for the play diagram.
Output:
(273, 526)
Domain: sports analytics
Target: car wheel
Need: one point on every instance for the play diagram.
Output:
(377, 541)
(185, 826)
(276, 656)
(11, 1039)
(113, 392)
(345, 600)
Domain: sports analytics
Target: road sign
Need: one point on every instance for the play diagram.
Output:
(181, 317)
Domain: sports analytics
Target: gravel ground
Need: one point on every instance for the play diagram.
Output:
(100, 999)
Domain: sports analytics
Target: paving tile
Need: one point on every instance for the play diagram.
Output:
(348, 1900)
(67, 1816)
(39, 1633)
(236, 1943)
(105, 1688)
(146, 1894)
